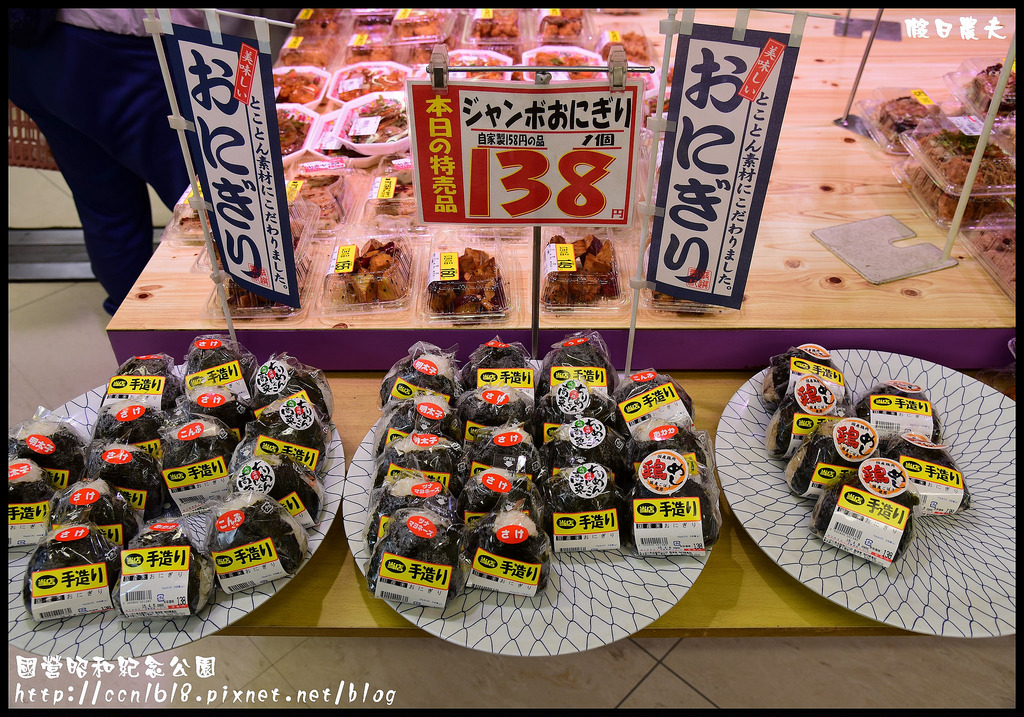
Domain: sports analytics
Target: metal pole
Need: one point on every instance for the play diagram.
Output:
(860, 71)
(540, 77)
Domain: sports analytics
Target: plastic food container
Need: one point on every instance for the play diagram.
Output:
(370, 17)
(507, 31)
(321, 21)
(294, 124)
(974, 83)
(329, 186)
(354, 81)
(367, 273)
(479, 58)
(945, 147)
(568, 26)
(657, 301)
(416, 25)
(567, 56)
(940, 206)
(994, 245)
(304, 86)
(371, 44)
(585, 273)
(391, 199)
(375, 124)
(892, 110)
(316, 50)
(185, 225)
(466, 280)
(325, 144)
(1004, 134)
(633, 40)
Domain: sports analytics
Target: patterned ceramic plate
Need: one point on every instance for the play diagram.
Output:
(105, 635)
(592, 598)
(958, 577)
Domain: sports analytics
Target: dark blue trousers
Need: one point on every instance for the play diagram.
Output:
(99, 99)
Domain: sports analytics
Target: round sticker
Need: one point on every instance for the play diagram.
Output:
(211, 400)
(883, 477)
(495, 397)
(663, 433)
(663, 472)
(508, 438)
(918, 440)
(17, 470)
(191, 432)
(421, 526)
(587, 480)
(230, 520)
(207, 343)
(816, 351)
(40, 444)
(425, 440)
(496, 482)
(904, 386)
(512, 534)
(76, 532)
(643, 376)
(427, 490)
(256, 475)
(164, 527)
(495, 344)
(297, 413)
(272, 377)
(130, 413)
(147, 357)
(814, 397)
(575, 342)
(117, 456)
(587, 433)
(572, 397)
(425, 366)
(854, 439)
(430, 410)
(84, 496)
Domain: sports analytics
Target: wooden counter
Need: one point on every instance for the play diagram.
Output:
(740, 591)
(797, 289)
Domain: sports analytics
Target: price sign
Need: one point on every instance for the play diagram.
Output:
(491, 153)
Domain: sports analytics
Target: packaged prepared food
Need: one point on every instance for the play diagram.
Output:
(96, 502)
(631, 38)
(424, 413)
(54, 444)
(426, 368)
(376, 123)
(320, 21)
(785, 369)
(369, 44)
(404, 490)
(586, 508)
(564, 25)
(570, 399)
(945, 148)
(151, 380)
(567, 56)
(588, 440)
(974, 84)
(895, 407)
(304, 86)
(496, 488)
(503, 30)
(284, 376)
(325, 144)
(362, 78)
(186, 226)
(932, 473)
(497, 363)
(648, 394)
(507, 551)
(330, 187)
(290, 426)
(422, 25)
(582, 355)
(489, 406)
(465, 281)
(197, 455)
(314, 50)
(893, 110)
(292, 484)
(994, 245)
(479, 58)
(131, 422)
(508, 447)
(682, 438)
(580, 273)
(940, 206)
(225, 404)
(219, 357)
(391, 199)
(133, 473)
(428, 455)
(829, 454)
(373, 276)
(28, 503)
(798, 414)
(370, 17)
(294, 123)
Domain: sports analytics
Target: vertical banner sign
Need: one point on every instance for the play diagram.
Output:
(728, 100)
(227, 92)
(491, 153)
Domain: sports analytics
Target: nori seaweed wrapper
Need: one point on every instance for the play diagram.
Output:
(191, 440)
(827, 502)
(246, 518)
(591, 440)
(777, 379)
(434, 457)
(798, 413)
(200, 584)
(222, 403)
(283, 375)
(406, 490)
(570, 400)
(155, 365)
(655, 435)
(933, 474)
(628, 401)
(296, 422)
(495, 488)
(582, 349)
(53, 444)
(128, 421)
(509, 533)
(583, 487)
(508, 447)
(495, 355)
(420, 414)
(72, 546)
(818, 462)
(425, 536)
(901, 391)
(427, 369)
(27, 485)
(134, 473)
(97, 502)
(211, 351)
(292, 484)
(490, 406)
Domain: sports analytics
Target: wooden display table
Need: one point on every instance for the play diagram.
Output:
(797, 290)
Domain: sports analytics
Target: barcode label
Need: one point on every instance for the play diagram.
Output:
(51, 614)
(654, 541)
(886, 426)
(848, 530)
(243, 586)
(138, 596)
(388, 595)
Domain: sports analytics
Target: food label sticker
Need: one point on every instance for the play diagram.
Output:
(661, 402)
(613, 36)
(350, 84)
(663, 433)
(469, 518)
(297, 395)
(293, 42)
(799, 367)
(814, 397)
(59, 478)
(305, 13)
(883, 477)
(473, 431)
(803, 426)
(940, 488)
(211, 400)
(551, 431)
(394, 435)
(691, 463)
(521, 378)
(41, 444)
(140, 561)
(819, 352)
(72, 591)
(431, 409)
(571, 396)
(428, 489)
(114, 533)
(256, 475)
(508, 438)
(495, 397)
(905, 386)
(475, 468)
(116, 456)
(27, 523)
(293, 187)
(485, 13)
(153, 448)
(272, 377)
(247, 566)
(193, 484)
(364, 126)
(191, 431)
(494, 572)
(396, 471)
(496, 481)
(867, 526)
(425, 440)
(918, 440)
(854, 439)
(663, 472)
(147, 390)
(297, 509)
(586, 433)
(825, 476)
(587, 479)
(17, 470)
(574, 532)
(895, 415)
(444, 266)
(136, 498)
(922, 97)
(227, 374)
(297, 413)
(154, 581)
(384, 188)
(668, 526)
(968, 124)
(307, 456)
(596, 378)
(130, 413)
(359, 39)
(412, 581)
(84, 496)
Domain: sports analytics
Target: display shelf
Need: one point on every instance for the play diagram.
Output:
(797, 290)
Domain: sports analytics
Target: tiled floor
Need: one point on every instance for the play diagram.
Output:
(57, 350)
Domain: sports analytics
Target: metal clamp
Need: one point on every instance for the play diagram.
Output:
(437, 68)
(617, 68)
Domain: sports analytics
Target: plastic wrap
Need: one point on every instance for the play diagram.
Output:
(217, 357)
(586, 507)
(292, 484)
(466, 281)
(288, 426)
(798, 414)
(303, 85)
(127, 421)
(829, 454)
(940, 206)
(96, 502)
(807, 359)
(490, 406)
(508, 447)
(570, 400)
(294, 124)
(391, 199)
(572, 26)
(581, 355)
(374, 275)
(375, 124)
(647, 394)
(139, 379)
(895, 407)
(53, 443)
(495, 488)
(403, 490)
(591, 441)
(284, 376)
(424, 413)
(330, 187)
(224, 403)
(581, 271)
(133, 473)
(362, 78)
(496, 363)
(316, 50)
(425, 369)
(507, 31)
(425, 454)
(197, 452)
(506, 551)
(945, 147)
(892, 110)
(932, 473)
(28, 503)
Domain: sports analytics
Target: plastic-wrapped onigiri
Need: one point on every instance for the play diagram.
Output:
(133, 473)
(71, 572)
(507, 552)
(28, 503)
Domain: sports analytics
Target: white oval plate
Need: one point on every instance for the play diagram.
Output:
(106, 635)
(592, 599)
(958, 576)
